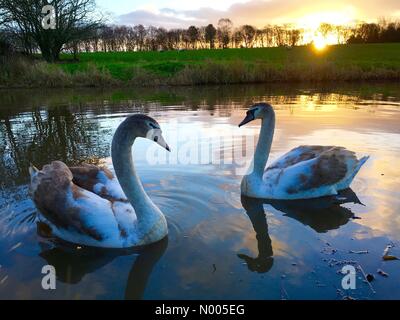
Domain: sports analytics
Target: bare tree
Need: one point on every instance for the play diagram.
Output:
(248, 34)
(174, 39)
(202, 42)
(140, 35)
(73, 18)
(294, 36)
(193, 35)
(325, 29)
(224, 32)
(237, 38)
(268, 35)
(210, 34)
(279, 35)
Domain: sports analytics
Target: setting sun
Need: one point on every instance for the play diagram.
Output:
(319, 43)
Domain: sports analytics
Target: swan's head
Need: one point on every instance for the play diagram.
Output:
(258, 111)
(148, 128)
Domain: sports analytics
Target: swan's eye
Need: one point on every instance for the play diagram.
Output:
(155, 139)
(153, 125)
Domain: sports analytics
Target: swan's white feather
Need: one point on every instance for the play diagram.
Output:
(81, 216)
(306, 172)
(111, 185)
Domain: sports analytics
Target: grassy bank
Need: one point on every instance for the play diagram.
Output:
(344, 62)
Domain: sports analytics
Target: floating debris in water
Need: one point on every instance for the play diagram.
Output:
(329, 250)
(15, 246)
(370, 277)
(349, 298)
(3, 280)
(366, 278)
(382, 273)
(359, 251)
(356, 218)
(334, 262)
(389, 257)
(386, 254)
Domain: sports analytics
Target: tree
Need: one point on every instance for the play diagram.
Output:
(342, 33)
(140, 35)
(211, 33)
(268, 35)
(279, 36)
(193, 35)
(73, 21)
(237, 38)
(161, 38)
(174, 38)
(325, 29)
(294, 37)
(248, 34)
(391, 33)
(224, 32)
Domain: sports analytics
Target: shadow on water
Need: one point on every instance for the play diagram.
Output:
(322, 215)
(73, 264)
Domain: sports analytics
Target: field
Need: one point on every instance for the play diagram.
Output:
(121, 64)
(305, 63)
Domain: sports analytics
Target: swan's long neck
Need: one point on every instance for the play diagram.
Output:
(264, 145)
(121, 153)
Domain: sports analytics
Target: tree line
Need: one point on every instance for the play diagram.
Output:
(140, 38)
(77, 30)
(381, 32)
(224, 35)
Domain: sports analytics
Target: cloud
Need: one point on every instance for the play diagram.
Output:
(260, 13)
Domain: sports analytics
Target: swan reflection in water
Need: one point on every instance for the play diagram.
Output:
(73, 264)
(321, 214)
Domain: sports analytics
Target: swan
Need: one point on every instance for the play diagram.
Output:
(88, 205)
(305, 172)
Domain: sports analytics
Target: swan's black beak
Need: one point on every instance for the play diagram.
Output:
(249, 117)
(159, 139)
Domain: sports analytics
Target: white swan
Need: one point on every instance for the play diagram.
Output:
(87, 205)
(303, 173)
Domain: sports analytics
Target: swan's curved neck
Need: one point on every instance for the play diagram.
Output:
(121, 153)
(264, 145)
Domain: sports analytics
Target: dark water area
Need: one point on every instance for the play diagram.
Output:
(220, 245)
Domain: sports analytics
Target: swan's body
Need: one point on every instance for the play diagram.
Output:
(303, 173)
(89, 206)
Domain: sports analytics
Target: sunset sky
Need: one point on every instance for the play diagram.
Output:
(302, 13)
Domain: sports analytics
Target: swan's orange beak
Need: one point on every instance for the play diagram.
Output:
(249, 117)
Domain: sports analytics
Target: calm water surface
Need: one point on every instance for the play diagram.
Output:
(220, 245)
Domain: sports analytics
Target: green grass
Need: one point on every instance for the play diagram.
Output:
(121, 65)
(340, 62)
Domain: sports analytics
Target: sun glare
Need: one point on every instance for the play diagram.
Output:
(320, 43)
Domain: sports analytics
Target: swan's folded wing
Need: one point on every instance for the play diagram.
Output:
(324, 171)
(66, 206)
(299, 154)
(99, 180)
